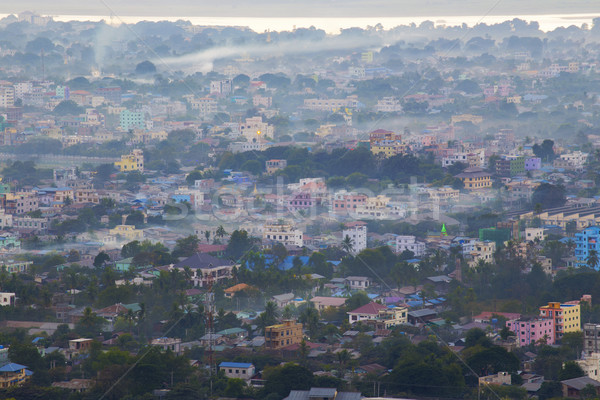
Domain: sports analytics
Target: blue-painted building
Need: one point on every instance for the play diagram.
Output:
(585, 241)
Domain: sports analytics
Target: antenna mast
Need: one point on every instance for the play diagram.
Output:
(210, 331)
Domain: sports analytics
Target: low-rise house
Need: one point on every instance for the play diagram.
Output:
(240, 287)
(357, 282)
(74, 385)
(322, 303)
(369, 311)
(501, 378)
(572, 387)
(78, 347)
(282, 300)
(421, 316)
(7, 299)
(243, 371)
(322, 394)
(166, 343)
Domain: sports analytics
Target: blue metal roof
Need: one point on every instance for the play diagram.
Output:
(12, 367)
(234, 365)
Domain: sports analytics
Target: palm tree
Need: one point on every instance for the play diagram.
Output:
(220, 231)
(592, 259)
(130, 317)
(287, 312)
(348, 244)
(310, 318)
(303, 351)
(343, 359)
(271, 312)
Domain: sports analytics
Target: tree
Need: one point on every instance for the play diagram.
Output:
(505, 333)
(131, 249)
(570, 370)
(549, 390)
(592, 259)
(309, 317)
(207, 236)
(280, 252)
(186, 247)
(220, 232)
(101, 259)
(67, 107)
(239, 244)
(475, 337)
(145, 67)
(549, 195)
(89, 324)
(282, 380)
(545, 151)
(589, 392)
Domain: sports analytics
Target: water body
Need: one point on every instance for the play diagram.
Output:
(332, 25)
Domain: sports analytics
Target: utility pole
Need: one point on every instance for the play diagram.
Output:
(210, 309)
(43, 67)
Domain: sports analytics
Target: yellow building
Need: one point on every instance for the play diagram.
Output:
(393, 316)
(13, 374)
(127, 232)
(475, 119)
(567, 316)
(475, 178)
(133, 161)
(282, 335)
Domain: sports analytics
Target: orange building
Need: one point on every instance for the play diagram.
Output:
(282, 335)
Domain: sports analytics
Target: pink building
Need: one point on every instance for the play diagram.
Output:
(347, 202)
(530, 330)
(301, 201)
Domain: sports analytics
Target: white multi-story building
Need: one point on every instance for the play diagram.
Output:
(410, 243)
(283, 233)
(470, 159)
(206, 106)
(222, 87)
(23, 87)
(574, 160)
(255, 128)
(240, 147)
(331, 104)
(357, 232)
(388, 104)
(479, 250)
(531, 234)
(7, 96)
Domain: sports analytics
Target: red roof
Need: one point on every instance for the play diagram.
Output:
(371, 308)
(381, 131)
(115, 309)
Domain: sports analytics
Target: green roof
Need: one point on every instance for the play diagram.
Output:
(231, 331)
(135, 307)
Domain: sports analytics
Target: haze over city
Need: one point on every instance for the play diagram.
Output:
(282, 200)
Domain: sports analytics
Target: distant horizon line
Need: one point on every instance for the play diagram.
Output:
(547, 22)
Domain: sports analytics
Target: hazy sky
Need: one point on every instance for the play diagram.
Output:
(302, 8)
